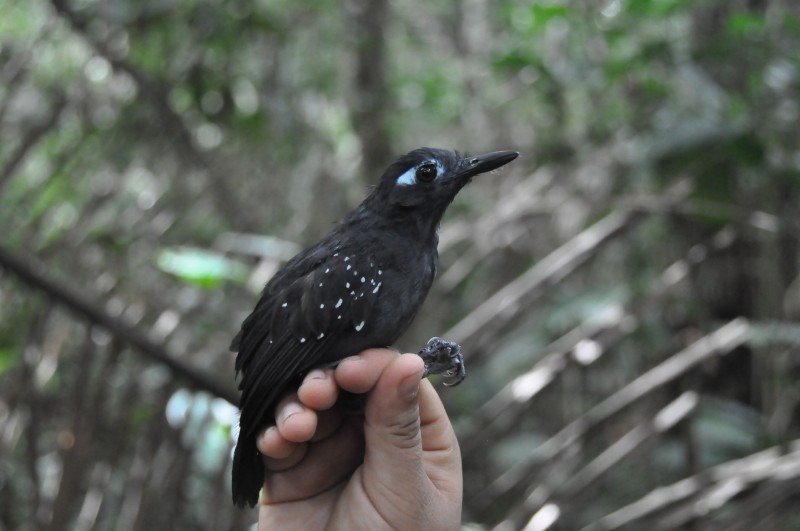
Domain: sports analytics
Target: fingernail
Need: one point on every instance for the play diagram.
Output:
(317, 374)
(261, 442)
(292, 408)
(409, 387)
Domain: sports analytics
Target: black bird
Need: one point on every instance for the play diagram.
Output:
(358, 287)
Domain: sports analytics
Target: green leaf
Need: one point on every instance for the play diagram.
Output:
(8, 358)
(745, 24)
(142, 414)
(542, 14)
(200, 267)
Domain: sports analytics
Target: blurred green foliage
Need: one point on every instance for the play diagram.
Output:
(207, 270)
(162, 159)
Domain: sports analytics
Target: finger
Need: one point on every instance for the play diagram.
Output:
(437, 431)
(271, 444)
(323, 465)
(318, 390)
(359, 374)
(294, 421)
(328, 423)
(439, 443)
(282, 454)
(295, 456)
(392, 425)
(393, 454)
(393, 404)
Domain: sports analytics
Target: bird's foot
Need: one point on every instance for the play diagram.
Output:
(443, 357)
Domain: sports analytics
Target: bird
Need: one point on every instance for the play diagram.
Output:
(359, 287)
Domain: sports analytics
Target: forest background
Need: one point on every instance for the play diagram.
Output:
(627, 292)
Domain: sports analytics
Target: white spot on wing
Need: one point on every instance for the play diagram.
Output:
(302, 340)
(321, 335)
(363, 280)
(338, 303)
(284, 305)
(349, 267)
(321, 306)
(377, 288)
(359, 326)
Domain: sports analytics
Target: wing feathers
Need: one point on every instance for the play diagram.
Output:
(287, 334)
(293, 328)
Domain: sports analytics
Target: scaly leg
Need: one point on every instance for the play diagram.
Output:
(443, 357)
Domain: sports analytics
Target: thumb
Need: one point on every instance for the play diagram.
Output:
(391, 422)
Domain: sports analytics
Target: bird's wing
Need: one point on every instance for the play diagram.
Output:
(295, 325)
(259, 319)
(337, 294)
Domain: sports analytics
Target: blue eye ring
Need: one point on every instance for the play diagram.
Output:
(418, 175)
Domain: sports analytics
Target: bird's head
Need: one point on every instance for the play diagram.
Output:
(430, 178)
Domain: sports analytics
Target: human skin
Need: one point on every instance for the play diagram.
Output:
(394, 465)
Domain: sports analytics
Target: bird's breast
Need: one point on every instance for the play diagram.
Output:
(408, 279)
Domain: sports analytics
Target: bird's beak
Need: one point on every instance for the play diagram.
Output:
(484, 163)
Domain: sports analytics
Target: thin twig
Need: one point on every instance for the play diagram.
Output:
(674, 412)
(33, 275)
(31, 138)
(14, 72)
(501, 412)
(171, 121)
(516, 205)
(710, 487)
(721, 341)
(484, 324)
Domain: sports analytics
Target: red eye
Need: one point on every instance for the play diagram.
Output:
(426, 173)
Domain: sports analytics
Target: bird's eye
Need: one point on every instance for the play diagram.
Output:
(426, 173)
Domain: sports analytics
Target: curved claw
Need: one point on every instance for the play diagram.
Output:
(444, 357)
(454, 383)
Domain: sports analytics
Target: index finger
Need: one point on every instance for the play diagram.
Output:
(359, 374)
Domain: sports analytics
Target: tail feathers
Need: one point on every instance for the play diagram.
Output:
(248, 472)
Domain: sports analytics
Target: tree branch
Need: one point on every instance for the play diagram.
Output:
(485, 323)
(674, 412)
(501, 413)
(719, 342)
(709, 488)
(33, 274)
(156, 94)
(31, 138)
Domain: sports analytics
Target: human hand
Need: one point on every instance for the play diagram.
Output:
(397, 465)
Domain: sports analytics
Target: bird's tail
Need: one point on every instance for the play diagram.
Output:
(248, 472)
